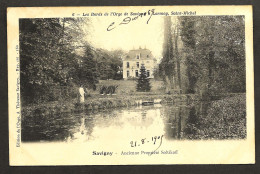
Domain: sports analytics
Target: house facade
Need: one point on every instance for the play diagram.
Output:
(134, 59)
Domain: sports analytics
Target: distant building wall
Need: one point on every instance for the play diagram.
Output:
(134, 60)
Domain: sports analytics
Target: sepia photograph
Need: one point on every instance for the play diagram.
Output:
(190, 84)
(132, 84)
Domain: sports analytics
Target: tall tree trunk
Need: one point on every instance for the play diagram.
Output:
(211, 68)
(168, 62)
(178, 66)
(167, 84)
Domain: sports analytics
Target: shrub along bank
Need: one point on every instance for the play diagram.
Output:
(104, 102)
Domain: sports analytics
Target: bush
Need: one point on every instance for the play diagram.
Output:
(108, 89)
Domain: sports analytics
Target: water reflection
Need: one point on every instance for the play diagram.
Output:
(172, 121)
(175, 122)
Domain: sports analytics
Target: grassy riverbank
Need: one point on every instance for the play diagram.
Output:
(102, 102)
(128, 87)
(126, 96)
(223, 119)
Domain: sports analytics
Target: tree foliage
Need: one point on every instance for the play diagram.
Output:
(54, 53)
(109, 64)
(48, 57)
(88, 75)
(170, 65)
(213, 52)
(143, 82)
(167, 65)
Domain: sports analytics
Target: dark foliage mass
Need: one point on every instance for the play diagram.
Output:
(109, 64)
(211, 51)
(55, 60)
(42, 52)
(143, 82)
(106, 90)
(221, 119)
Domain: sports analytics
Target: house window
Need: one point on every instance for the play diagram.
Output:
(127, 73)
(148, 73)
(137, 64)
(147, 56)
(136, 73)
(127, 64)
(138, 56)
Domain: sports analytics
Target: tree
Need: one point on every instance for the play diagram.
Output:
(168, 63)
(215, 52)
(40, 56)
(47, 54)
(209, 50)
(170, 66)
(178, 59)
(143, 82)
(88, 76)
(188, 31)
(117, 63)
(109, 64)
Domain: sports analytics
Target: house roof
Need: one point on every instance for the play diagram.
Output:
(144, 54)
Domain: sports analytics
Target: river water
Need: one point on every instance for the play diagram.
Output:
(173, 122)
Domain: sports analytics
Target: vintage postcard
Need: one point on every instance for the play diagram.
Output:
(131, 85)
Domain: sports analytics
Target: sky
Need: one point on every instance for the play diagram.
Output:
(135, 34)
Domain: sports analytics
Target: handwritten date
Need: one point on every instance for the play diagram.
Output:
(155, 140)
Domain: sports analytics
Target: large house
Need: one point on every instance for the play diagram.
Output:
(133, 61)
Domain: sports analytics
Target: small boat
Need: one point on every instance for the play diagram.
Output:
(147, 103)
